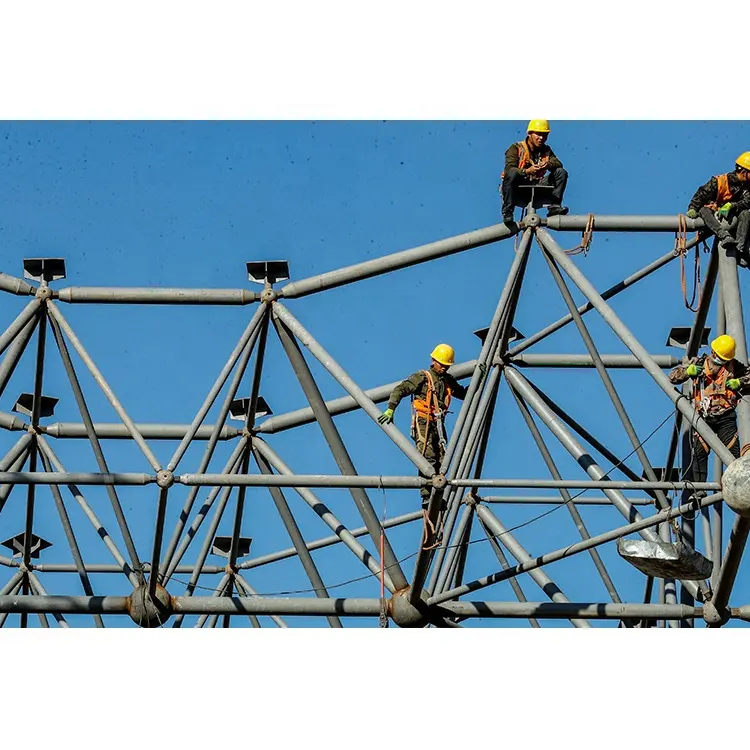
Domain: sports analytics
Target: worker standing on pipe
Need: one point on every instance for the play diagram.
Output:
(533, 162)
(719, 381)
(431, 391)
(727, 196)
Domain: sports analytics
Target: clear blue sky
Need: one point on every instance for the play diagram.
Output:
(186, 204)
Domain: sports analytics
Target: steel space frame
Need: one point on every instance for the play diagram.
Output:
(460, 493)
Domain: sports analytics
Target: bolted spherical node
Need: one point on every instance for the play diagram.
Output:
(439, 481)
(735, 485)
(531, 220)
(148, 611)
(404, 613)
(269, 295)
(713, 616)
(164, 478)
(43, 292)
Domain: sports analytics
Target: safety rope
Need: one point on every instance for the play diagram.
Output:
(586, 237)
(680, 248)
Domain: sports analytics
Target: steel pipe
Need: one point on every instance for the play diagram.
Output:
(624, 223)
(150, 296)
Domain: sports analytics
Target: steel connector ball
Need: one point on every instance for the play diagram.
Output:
(404, 613)
(148, 611)
(735, 486)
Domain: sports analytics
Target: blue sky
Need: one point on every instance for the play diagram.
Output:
(186, 204)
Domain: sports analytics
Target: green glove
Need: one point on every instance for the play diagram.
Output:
(692, 371)
(386, 417)
(692, 213)
(733, 384)
(724, 210)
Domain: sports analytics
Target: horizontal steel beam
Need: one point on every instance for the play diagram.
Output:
(567, 610)
(557, 500)
(54, 477)
(154, 296)
(624, 223)
(589, 484)
(118, 431)
(298, 480)
(615, 361)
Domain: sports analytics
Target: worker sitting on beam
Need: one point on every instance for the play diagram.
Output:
(533, 162)
(431, 391)
(718, 381)
(727, 196)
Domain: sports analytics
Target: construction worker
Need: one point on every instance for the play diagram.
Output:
(532, 162)
(431, 391)
(726, 196)
(719, 381)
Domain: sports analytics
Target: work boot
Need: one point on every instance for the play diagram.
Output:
(508, 218)
(557, 211)
(725, 238)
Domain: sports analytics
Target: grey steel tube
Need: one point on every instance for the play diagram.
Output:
(297, 539)
(15, 352)
(255, 321)
(731, 562)
(250, 591)
(351, 388)
(633, 344)
(6, 489)
(41, 477)
(565, 494)
(395, 261)
(12, 423)
(108, 392)
(12, 583)
(36, 584)
(96, 447)
(150, 296)
(565, 611)
(556, 500)
(624, 223)
(614, 361)
(545, 583)
(574, 549)
(161, 512)
(609, 386)
(15, 285)
(114, 431)
(28, 312)
(339, 451)
(607, 294)
(584, 484)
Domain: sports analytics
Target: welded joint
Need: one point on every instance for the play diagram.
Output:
(269, 295)
(231, 570)
(472, 499)
(165, 478)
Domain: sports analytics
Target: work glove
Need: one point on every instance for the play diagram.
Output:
(692, 213)
(482, 368)
(386, 417)
(724, 210)
(693, 371)
(733, 384)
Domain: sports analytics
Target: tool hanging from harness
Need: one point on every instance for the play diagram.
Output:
(429, 409)
(524, 159)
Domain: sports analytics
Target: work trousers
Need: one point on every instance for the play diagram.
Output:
(558, 178)
(427, 439)
(739, 226)
(725, 426)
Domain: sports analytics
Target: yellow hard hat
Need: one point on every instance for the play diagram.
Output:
(539, 126)
(724, 346)
(444, 354)
(743, 160)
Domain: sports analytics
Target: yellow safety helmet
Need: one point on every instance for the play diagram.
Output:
(743, 160)
(444, 354)
(542, 126)
(724, 347)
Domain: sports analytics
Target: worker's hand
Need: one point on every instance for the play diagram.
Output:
(692, 213)
(482, 368)
(692, 371)
(724, 210)
(733, 384)
(386, 417)
(533, 169)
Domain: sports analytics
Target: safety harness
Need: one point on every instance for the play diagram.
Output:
(524, 159)
(429, 409)
(712, 397)
(723, 192)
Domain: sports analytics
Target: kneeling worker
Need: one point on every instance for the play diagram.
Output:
(431, 391)
(726, 196)
(719, 381)
(533, 162)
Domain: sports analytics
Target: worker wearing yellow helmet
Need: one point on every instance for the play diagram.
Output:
(727, 196)
(530, 162)
(431, 391)
(718, 382)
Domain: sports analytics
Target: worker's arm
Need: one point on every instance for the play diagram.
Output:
(457, 390)
(405, 388)
(704, 195)
(742, 374)
(680, 373)
(512, 160)
(743, 202)
(554, 162)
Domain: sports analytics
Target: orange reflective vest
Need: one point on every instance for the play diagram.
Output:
(723, 193)
(711, 394)
(428, 407)
(524, 159)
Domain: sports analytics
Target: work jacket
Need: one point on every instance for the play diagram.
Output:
(418, 386)
(710, 395)
(520, 155)
(724, 188)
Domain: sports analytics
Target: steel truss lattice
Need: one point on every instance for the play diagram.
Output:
(433, 592)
